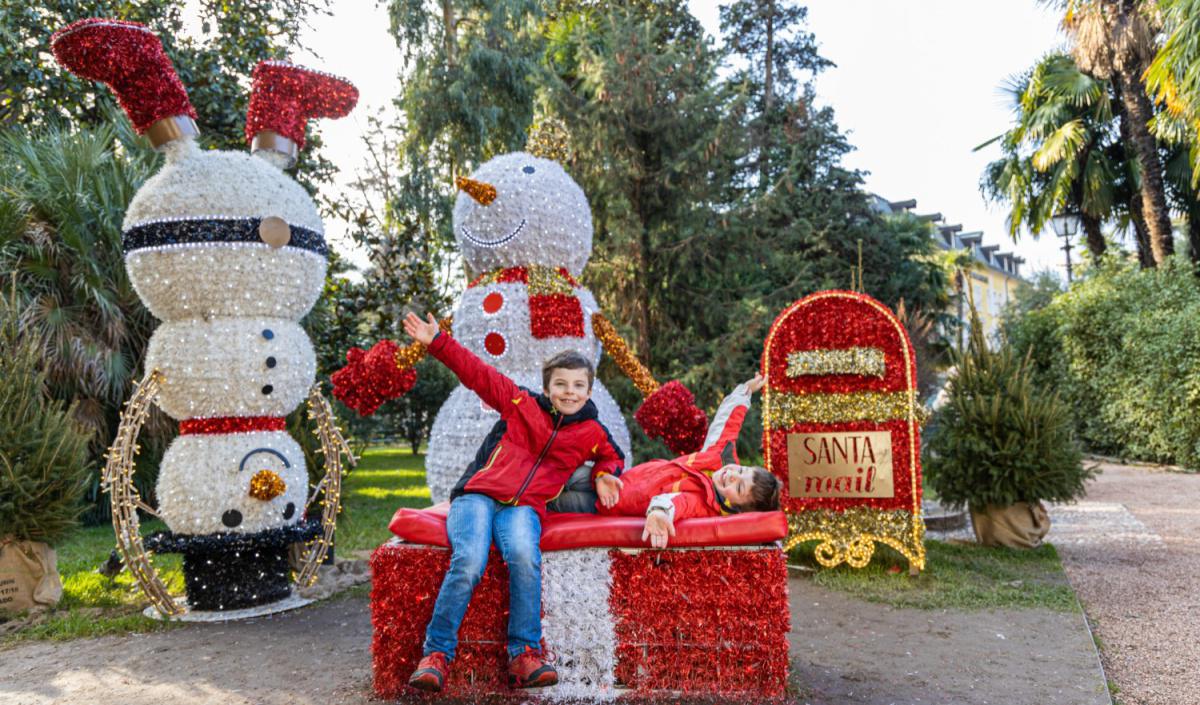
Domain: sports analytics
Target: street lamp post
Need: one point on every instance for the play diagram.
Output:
(1065, 225)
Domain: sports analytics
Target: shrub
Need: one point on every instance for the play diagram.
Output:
(43, 450)
(1001, 439)
(1122, 346)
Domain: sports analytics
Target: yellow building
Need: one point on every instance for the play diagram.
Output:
(992, 281)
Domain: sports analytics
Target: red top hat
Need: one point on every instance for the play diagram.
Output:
(285, 96)
(129, 58)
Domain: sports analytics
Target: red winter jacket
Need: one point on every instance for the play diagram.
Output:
(688, 478)
(532, 450)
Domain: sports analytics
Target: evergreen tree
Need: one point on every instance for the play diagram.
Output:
(43, 450)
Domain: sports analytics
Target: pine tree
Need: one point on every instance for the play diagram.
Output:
(43, 451)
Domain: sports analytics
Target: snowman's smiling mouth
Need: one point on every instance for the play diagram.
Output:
(493, 243)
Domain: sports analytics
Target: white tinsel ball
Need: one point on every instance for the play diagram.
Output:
(232, 367)
(540, 216)
(204, 482)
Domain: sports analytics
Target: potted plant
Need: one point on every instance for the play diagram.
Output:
(43, 470)
(1002, 446)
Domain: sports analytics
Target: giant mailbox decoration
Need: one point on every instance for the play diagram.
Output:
(841, 428)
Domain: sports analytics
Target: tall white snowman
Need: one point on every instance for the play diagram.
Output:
(228, 252)
(523, 222)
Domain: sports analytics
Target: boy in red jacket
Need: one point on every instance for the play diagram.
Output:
(525, 460)
(703, 484)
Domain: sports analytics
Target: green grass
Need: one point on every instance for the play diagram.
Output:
(93, 605)
(956, 576)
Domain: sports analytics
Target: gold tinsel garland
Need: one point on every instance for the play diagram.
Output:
(783, 410)
(548, 280)
(266, 485)
(409, 355)
(482, 192)
(868, 362)
(615, 346)
(849, 536)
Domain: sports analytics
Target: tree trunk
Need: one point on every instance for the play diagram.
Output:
(1194, 234)
(1094, 236)
(448, 31)
(768, 95)
(1154, 199)
(1140, 233)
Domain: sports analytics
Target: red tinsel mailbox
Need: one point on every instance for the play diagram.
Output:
(841, 428)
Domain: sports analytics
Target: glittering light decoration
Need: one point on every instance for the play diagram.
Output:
(160, 233)
(130, 59)
(670, 413)
(266, 485)
(232, 424)
(833, 401)
(847, 361)
(705, 623)
(548, 138)
(790, 409)
(484, 194)
(333, 446)
(284, 97)
(228, 251)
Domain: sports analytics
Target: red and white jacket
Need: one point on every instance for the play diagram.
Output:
(532, 450)
(683, 486)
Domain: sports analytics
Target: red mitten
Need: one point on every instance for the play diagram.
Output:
(371, 378)
(670, 413)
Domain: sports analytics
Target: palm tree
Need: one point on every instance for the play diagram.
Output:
(62, 199)
(1115, 40)
(1058, 156)
(1172, 77)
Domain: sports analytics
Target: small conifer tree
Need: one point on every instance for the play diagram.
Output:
(1000, 439)
(43, 450)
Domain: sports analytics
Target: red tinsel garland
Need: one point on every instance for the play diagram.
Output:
(371, 378)
(232, 424)
(701, 621)
(670, 413)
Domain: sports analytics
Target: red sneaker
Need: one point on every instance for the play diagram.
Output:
(532, 669)
(431, 672)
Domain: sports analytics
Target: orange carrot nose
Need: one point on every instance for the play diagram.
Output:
(267, 485)
(483, 193)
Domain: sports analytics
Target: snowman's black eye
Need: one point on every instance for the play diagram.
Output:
(528, 170)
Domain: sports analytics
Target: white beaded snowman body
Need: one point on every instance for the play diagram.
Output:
(524, 223)
(228, 252)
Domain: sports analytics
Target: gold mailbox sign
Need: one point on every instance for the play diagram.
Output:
(840, 464)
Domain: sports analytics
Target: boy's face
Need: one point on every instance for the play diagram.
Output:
(734, 482)
(568, 390)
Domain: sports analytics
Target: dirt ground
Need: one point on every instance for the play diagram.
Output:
(844, 651)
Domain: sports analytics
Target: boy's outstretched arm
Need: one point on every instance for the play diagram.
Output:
(495, 389)
(727, 422)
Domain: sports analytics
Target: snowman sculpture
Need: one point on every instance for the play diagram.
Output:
(227, 251)
(524, 222)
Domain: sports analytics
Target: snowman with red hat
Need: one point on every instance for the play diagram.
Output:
(228, 252)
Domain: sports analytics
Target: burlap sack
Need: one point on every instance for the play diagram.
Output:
(1021, 525)
(28, 575)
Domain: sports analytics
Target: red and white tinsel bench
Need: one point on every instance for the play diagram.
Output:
(708, 616)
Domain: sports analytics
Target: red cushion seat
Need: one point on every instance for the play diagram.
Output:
(566, 531)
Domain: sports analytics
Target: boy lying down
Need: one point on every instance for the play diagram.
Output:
(707, 483)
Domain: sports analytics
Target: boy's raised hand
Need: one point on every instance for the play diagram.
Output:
(755, 384)
(659, 528)
(421, 331)
(608, 488)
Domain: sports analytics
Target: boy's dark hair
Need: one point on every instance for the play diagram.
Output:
(764, 492)
(567, 360)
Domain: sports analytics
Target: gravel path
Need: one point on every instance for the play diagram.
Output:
(1132, 552)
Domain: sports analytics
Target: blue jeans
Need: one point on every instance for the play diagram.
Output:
(476, 520)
